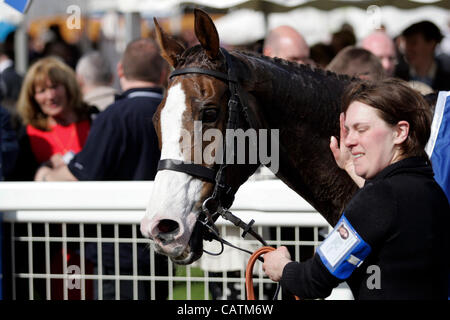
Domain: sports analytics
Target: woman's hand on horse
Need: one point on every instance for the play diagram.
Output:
(342, 154)
(275, 261)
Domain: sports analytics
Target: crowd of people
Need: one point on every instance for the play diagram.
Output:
(74, 126)
(64, 121)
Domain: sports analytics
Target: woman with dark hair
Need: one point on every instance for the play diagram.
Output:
(397, 221)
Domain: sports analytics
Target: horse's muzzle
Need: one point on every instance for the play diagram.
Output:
(166, 231)
(171, 239)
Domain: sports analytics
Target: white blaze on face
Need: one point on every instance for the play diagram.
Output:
(174, 193)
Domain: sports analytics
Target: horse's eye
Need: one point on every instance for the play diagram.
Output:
(209, 115)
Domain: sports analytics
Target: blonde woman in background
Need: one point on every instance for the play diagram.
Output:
(55, 118)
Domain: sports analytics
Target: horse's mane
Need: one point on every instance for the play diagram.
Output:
(308, 92)
(296, 83)
(296, 67)
(197, 56)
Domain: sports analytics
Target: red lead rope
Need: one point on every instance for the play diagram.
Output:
(249, 271)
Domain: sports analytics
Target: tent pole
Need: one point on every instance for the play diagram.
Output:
(132, 26)
(21, 48)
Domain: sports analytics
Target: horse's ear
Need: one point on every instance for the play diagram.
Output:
(171, 49)
(206, 33)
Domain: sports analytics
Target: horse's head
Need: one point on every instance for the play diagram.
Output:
(191, 122)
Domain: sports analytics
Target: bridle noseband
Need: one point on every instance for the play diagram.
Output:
(223, 194)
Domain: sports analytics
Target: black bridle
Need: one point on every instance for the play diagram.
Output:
(223, 194)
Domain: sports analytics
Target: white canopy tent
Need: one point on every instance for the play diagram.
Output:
(166, 7)
(249, 20)
(245, 25)
(267, 5)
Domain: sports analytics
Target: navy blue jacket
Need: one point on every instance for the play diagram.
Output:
(122, 143)
(9, 147)
(403, 215)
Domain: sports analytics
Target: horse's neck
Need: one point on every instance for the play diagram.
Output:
(304, 105)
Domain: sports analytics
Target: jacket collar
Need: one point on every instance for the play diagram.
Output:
(147, 89)
(417, 165)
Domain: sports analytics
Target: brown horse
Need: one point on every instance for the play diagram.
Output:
(302, 102)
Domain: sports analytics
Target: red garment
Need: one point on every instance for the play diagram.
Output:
(60, 139)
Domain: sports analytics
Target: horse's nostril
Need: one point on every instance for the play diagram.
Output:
(167, 226)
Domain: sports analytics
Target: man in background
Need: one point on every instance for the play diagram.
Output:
(10, 80)
(383, 47)
(286, 43)
(421, 40)
(95, 76)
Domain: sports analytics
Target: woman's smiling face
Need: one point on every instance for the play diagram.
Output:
(52, 98)
(372, 142)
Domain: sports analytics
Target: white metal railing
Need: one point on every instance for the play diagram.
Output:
(32, 209)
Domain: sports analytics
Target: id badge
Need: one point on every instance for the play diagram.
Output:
(343, 250)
